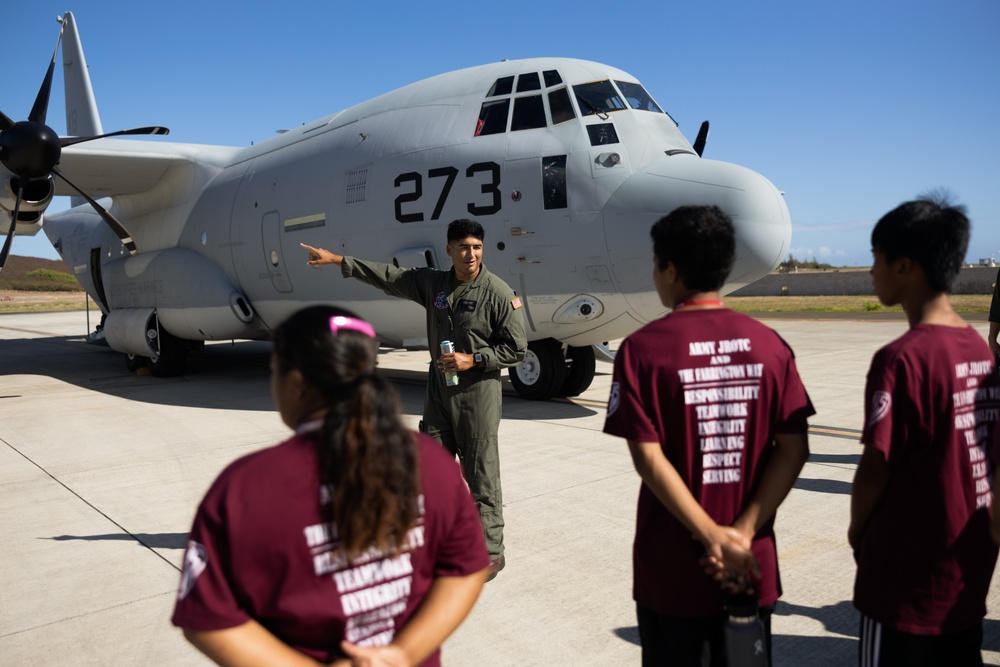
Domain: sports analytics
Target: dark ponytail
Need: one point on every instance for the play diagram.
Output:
(367, 457)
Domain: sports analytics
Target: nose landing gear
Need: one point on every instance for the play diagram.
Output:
(551, 369)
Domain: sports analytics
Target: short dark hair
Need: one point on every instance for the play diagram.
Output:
(463, 228)
(700, 241)
(930, 231)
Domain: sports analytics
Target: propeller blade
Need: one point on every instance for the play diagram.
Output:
(13, 225)
(154, 129)
(117, 227)
(41, 107)
(699, 142)
(5, 122)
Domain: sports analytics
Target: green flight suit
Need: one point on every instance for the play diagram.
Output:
(479, 316)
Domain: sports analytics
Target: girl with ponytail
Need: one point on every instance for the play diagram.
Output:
(353, 542)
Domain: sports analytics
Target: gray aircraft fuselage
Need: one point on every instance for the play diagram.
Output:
(566, 163)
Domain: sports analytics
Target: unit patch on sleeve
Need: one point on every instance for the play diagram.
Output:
(195, 562)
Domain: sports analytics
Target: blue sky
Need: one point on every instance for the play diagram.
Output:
(849, 108)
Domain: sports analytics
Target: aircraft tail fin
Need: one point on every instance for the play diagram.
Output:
(82, 117)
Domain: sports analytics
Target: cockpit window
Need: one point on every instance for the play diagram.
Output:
(637, 97)
(599, 97)
(528, 113)
(560, 106)
(502, 86)
(527, 82)
(529, 110)
(552, 78)
(493, 117)
(602, 134)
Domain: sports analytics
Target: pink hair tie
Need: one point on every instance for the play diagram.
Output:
(338, 322)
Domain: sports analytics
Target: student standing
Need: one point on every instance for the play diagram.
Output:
(920, 503)
(715, 416)
(355, 541)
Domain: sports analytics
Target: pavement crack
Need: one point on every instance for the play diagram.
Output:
(89, 504)
(88, 613)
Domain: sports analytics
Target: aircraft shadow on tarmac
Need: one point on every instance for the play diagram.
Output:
(225, 376)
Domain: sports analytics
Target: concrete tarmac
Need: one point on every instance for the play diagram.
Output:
(101, 471)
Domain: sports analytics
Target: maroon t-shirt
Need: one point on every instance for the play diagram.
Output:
(926, 556)
(259, 549)
(712, 387)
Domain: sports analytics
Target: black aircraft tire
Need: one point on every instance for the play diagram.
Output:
(540, 376)
(134, 362)
(173, 354)
(581, 363)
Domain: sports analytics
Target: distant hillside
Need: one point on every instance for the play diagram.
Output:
(34, 274)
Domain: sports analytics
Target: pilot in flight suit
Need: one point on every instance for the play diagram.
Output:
(480, 317)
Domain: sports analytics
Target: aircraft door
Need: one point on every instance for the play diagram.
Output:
(270, 229)
(98, 278)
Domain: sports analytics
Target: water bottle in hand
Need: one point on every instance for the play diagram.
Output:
(450, 377)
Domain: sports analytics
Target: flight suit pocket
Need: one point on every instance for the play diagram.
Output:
(464, 315)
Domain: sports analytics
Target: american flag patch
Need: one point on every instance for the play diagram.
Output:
(516, 302)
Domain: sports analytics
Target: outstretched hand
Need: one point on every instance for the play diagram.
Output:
(318, 256)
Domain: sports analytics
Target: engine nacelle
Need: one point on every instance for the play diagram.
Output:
(192, 298)
(128, 330)
(37, 197)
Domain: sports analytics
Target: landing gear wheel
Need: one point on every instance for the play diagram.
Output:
(172, 355)
(540, 376)
(134, 362)
(581, 363)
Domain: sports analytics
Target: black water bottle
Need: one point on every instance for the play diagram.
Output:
(746, 644)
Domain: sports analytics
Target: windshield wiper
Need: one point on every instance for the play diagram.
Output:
(603, 115)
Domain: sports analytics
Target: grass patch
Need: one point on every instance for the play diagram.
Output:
(962, 303)
(36, 285)
(34, 274)
(44, 280)
(44, 302)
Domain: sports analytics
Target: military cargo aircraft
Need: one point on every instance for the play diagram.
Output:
(566, 163)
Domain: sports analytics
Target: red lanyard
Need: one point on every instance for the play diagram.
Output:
(699, 302)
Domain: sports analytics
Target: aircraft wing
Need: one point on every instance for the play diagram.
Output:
(112, 167)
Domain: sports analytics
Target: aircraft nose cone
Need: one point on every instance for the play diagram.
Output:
(760, 216)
